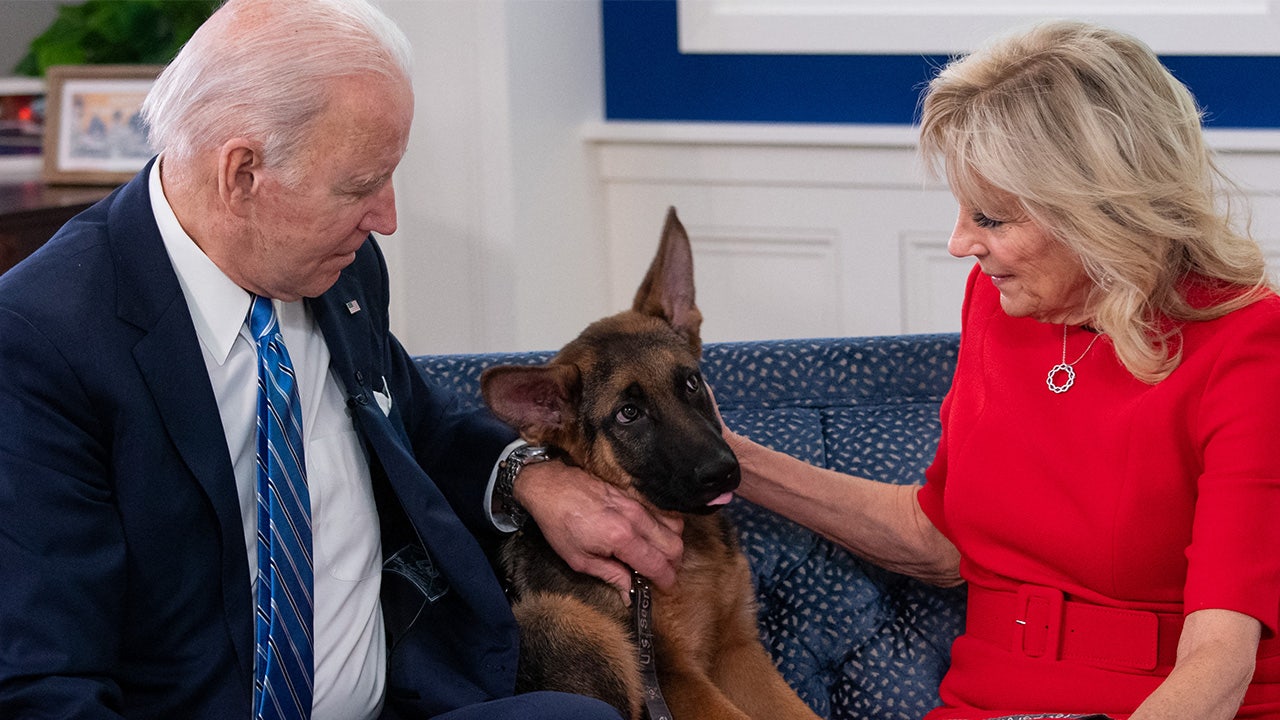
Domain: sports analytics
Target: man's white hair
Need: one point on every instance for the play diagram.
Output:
(261, 69)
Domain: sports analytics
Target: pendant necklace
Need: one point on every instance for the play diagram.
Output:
(1066, 367)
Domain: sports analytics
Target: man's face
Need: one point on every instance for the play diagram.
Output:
(302, 237)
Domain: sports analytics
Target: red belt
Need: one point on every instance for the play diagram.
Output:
(1040, 622)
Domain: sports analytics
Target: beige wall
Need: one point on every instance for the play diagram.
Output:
(21, 20)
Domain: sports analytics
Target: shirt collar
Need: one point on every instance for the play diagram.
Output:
(218, 306)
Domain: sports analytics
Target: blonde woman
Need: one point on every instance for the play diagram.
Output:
(1106, 482)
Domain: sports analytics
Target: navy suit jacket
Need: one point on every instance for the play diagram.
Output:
(124, 583)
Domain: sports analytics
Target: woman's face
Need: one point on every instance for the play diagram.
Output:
(1037, 276)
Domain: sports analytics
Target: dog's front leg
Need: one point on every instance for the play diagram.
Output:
(692, 695)
(746, 674)
(571, 646)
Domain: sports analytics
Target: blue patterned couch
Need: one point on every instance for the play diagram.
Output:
(855, 641)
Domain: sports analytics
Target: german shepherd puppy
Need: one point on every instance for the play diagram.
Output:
(626, 401)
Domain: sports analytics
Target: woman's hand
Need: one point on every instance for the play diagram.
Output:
(597, 529)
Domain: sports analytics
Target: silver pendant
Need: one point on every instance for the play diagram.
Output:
(1071, 378)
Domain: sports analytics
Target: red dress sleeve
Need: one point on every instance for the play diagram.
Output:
(1233, 561)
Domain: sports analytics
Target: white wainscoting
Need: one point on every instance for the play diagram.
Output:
(811, 231)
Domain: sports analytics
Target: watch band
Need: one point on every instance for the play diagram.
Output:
(508, 470)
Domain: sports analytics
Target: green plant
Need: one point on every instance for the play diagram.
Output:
(116, 31)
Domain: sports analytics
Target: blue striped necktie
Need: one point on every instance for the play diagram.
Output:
(283, 664)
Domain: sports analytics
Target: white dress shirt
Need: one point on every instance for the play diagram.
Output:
(350, 645)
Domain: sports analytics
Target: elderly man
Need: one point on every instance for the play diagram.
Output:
(225, 489)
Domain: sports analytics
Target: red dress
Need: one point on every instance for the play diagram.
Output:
(1119, 494)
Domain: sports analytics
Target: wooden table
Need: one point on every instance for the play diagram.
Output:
(31, 212)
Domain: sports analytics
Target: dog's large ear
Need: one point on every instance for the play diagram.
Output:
(536, 400)
(667, 289)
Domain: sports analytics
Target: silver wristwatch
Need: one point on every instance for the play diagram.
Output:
(508, 470)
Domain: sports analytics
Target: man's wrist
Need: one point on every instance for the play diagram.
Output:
(509, 468)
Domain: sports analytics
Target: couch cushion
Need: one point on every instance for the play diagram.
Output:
(854, 640)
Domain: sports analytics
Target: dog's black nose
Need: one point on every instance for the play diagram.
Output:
(721, 474)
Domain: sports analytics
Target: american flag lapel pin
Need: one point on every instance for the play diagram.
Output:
(353, 307)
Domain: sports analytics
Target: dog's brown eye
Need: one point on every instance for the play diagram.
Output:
(692, 383)
(627, 414)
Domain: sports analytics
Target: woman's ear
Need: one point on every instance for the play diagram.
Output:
(239, 175)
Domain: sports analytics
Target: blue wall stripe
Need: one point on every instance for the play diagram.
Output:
(647, 78)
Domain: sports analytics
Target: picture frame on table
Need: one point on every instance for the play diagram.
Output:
(93, 132)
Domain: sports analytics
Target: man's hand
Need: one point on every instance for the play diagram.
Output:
(597, 529)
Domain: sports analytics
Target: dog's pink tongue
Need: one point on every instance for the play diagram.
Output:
(722, 500)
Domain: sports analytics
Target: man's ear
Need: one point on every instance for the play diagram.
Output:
(239, 174)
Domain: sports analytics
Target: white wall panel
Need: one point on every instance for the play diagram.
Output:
(932, 283)
(819, 231)
(498, 208)
(767, 282)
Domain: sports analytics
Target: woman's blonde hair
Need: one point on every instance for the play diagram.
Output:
(1102, 147)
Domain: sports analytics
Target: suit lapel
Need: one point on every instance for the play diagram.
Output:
(357, 350)
(170, 361)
